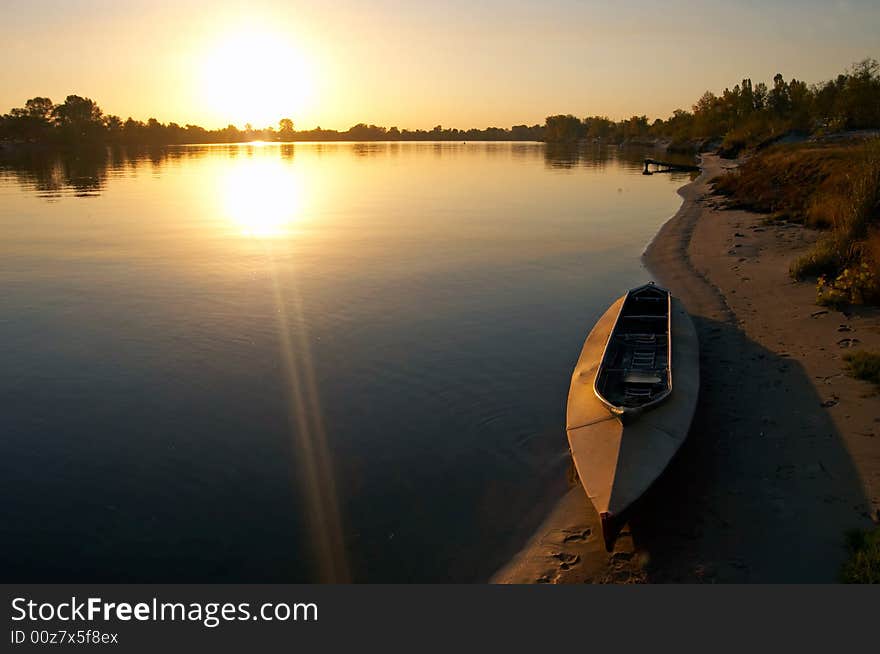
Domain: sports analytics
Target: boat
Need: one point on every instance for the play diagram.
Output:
(625, 420)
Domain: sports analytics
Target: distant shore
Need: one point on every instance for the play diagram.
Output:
(784, 452)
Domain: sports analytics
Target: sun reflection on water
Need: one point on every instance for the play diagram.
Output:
(263, 197)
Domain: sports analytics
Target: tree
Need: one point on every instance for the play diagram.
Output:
(230, 134)
(860, 100)
(563, 128)
(113, 125)
(285, 129)
(78, 118)
(778, 100)
(800, 100)
(132, 129)
(33, 122)
(635, 127)
(759, 94)
(707, 116)
(746, 100)
(598, 127)
(40, 108)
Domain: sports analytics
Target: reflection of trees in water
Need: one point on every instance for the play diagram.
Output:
(562, 155)
(594, 155)
(368, 149)
(84, 172)
(575, 155)
(51, 173)
(524, 150)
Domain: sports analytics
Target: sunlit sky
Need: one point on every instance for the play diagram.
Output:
(459, 63)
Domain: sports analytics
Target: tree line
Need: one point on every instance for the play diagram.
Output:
(739, 117)
(746, 114)
(80, 120)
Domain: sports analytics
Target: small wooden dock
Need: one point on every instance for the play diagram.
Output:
(667, 167)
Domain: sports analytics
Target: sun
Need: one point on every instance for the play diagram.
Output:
(255, 76)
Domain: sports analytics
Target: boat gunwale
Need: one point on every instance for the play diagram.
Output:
(622, 411)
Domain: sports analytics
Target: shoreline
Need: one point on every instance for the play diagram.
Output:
(783, 457)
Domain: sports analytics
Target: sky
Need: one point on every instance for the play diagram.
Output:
(416, 64)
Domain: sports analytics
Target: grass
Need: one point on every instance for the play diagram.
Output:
(823, 186)
(832, 187)
(756, 132)
(863, 566)
(783, 180)
(824, 258)
(864, 365)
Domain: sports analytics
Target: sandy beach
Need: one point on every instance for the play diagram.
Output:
(783, 457)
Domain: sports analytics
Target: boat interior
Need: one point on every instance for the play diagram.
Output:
(635, 370)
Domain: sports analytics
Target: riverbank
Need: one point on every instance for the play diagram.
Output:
(783, 457)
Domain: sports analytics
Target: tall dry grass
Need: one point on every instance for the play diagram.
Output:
(835, 188)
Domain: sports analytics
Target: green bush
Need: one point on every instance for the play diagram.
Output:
(863, 566)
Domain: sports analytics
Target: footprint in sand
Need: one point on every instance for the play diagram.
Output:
(576, 535)
(566, 560)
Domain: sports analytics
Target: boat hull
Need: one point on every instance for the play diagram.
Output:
(617, 461)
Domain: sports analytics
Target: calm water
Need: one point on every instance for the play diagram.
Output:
(296, 363)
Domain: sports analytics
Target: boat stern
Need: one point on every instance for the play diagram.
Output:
(610, 529)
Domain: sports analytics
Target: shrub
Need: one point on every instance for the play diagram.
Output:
(829, 296)
(827, 256)
(864, 365)
(863, 566)
(855, 285)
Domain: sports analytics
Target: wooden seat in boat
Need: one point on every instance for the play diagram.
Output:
(642, 377)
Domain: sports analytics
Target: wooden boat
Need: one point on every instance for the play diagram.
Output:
(625, 420)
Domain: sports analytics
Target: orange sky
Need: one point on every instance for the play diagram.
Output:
(415, 64)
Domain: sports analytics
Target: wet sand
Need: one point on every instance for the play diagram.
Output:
(783, 456)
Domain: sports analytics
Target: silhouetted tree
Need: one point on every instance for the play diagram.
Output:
(563, 128)
(285, 129)
(78, 118)
(33, 122)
